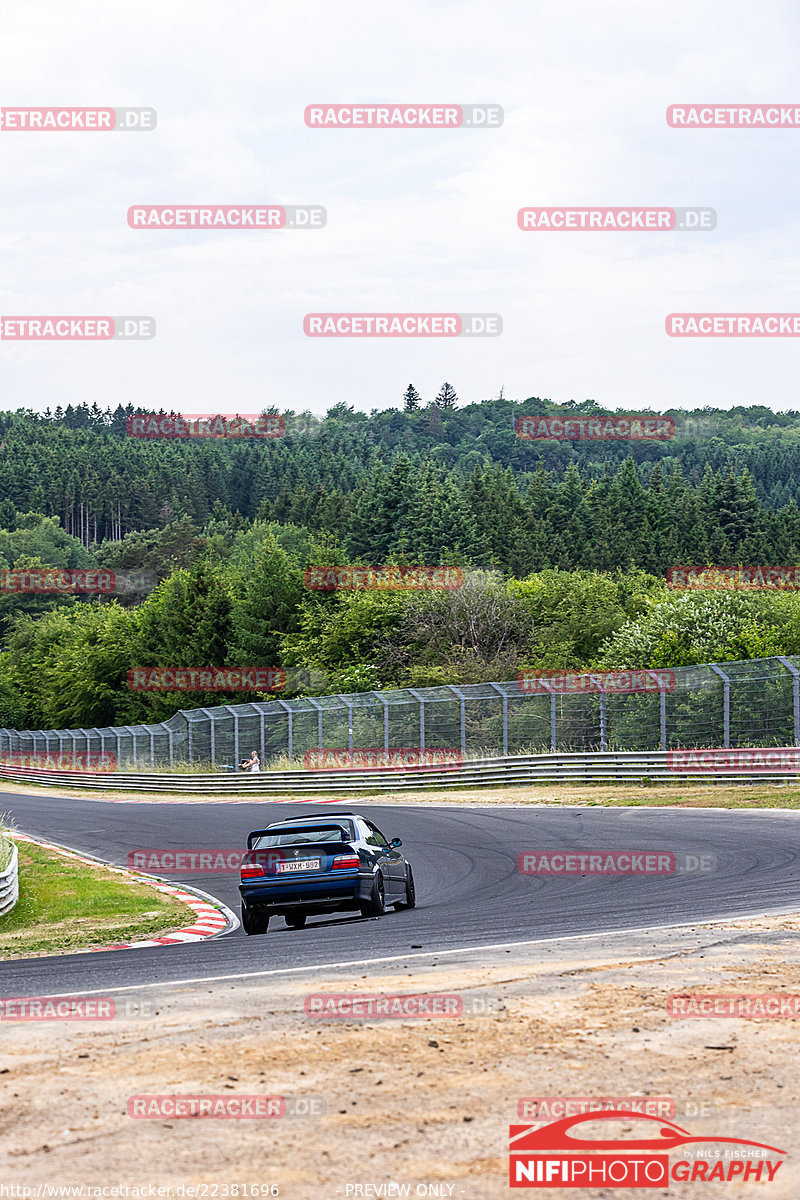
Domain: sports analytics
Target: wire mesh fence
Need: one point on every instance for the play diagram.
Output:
(752, 703)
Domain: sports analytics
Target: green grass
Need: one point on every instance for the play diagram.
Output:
(66, 905)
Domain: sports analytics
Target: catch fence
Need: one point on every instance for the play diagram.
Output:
(739, 704)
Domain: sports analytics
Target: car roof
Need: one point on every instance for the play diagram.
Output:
(310, 817)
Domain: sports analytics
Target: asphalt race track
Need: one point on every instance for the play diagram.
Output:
(469, 892)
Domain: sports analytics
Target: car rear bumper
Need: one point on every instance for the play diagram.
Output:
(334, 890)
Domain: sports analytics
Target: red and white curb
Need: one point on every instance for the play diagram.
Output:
(212, 917)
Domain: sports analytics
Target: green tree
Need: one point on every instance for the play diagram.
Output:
(446, 397)
(411, 399)
(267, 606)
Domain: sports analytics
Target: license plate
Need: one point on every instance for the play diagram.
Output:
(302, 864)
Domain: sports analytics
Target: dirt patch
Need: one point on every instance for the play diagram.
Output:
(419, 1102)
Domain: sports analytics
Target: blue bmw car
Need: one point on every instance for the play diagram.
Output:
(339, 862)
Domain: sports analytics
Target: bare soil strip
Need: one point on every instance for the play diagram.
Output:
(416, 1101)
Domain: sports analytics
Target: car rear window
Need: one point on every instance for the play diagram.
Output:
(300, 834)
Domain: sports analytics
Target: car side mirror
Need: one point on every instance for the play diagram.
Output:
(395, 842)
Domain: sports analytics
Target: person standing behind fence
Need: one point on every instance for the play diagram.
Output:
(252, 763)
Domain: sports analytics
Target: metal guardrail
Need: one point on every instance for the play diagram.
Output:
(9, 883)
(628, 767)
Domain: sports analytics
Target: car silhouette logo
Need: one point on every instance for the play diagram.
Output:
(554, 1154)
(557, 1135)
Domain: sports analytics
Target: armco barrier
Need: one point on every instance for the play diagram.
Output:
(9, 883)
(523, 769)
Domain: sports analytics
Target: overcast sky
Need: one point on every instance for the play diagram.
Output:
(417, 220)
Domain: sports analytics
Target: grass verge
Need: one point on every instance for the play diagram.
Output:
(66, 905)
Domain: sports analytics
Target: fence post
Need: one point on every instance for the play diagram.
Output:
(130, 729)
(603, 722)
(505, 716)
(726, 704)
(349, 708)
(210, 720)
(662, 704)
(385, 704)
(288, 710)
(88, 748)
(318, 707)
(795, 695)
(421, 700)
(461, 698)
(168, 731)
(235, 716)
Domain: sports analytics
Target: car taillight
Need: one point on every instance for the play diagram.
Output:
(252, 870)
(343, 861)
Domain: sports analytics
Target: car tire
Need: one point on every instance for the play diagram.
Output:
(296, 920)
(376, 905)
(411, 893)
(253, 921)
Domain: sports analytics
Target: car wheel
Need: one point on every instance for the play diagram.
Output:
(296, 920)
(411, 894)
(376, 905)
(254, 921)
